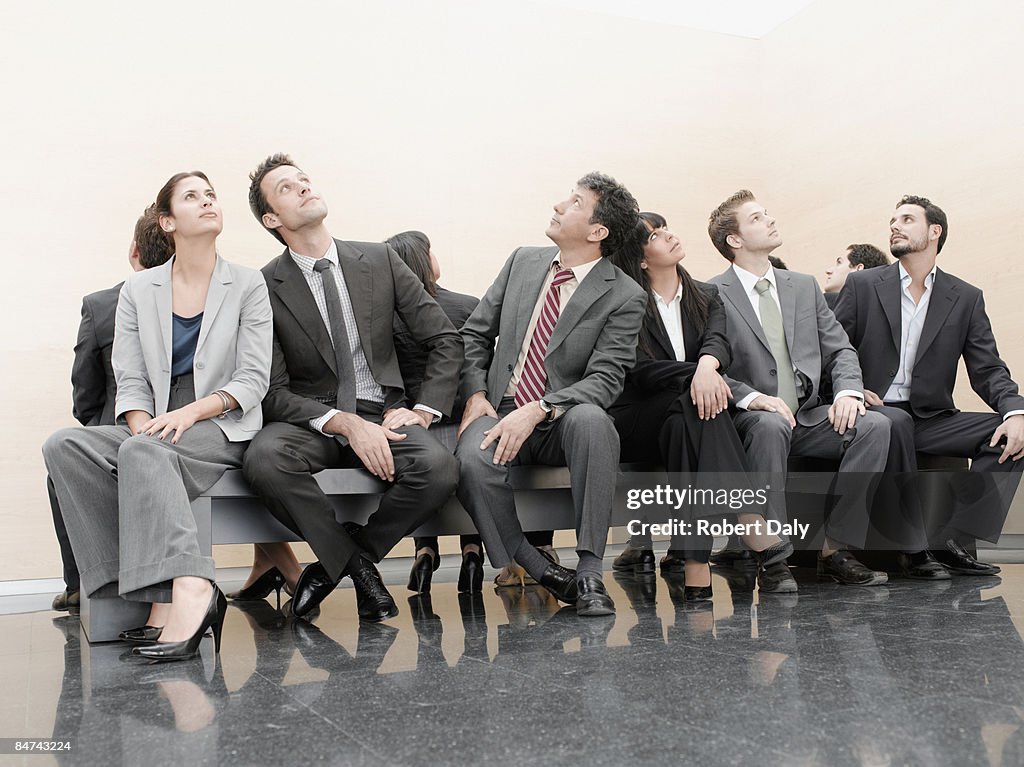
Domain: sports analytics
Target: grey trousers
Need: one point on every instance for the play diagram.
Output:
(584, 439)
(125, 500)
(863, 450)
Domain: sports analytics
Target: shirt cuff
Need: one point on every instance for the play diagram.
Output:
(1013, 412)
(745, 402)
(425, 409)
(849, 393)
(318, 424)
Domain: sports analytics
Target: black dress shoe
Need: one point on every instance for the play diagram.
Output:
(422, 570)
(593, 598)
(636, 561)
(560, 581)
(66, 601)
(271, 580)
(959, 561)
(673, 562)
(773, 575)
(922, 566)
(311, 589)
(373, 602)
(471, 574)
(732, 553)
(141, 634)
(844, 568)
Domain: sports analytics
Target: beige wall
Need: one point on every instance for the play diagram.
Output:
(467, 120)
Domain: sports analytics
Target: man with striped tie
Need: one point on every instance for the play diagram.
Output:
(547, 351)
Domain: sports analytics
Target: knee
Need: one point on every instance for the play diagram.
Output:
(772, 428)
(57, 443)
(900, 421)
(440, 467)
(874, 427)
(591, 422)
(265, 460)
(138, 449)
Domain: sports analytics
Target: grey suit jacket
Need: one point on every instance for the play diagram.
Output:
(590, 350)
(92, 380)
(817, 343)
(233, 352)
(304, 381)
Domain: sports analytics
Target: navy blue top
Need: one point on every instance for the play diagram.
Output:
(184, 337)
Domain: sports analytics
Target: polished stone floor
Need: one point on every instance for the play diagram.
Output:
(904, 674)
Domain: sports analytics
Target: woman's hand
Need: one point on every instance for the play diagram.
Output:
(708, 390)
(176, 422)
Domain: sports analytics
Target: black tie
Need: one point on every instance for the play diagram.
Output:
(342, 348)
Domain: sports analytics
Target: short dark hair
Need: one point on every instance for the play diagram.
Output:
(723, 221)
(868, 256)
(257, 200)
(413, 248)
(616, 209)
(154, 246)
(933, 214)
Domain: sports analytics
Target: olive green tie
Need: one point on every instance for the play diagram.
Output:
(771, 323)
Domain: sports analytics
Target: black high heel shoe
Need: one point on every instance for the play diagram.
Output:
(271, 580)
(422, 569)
(189, 648)
(141, 634)
(471, 574)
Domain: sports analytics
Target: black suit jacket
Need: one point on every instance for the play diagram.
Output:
(657, 370)
(303, 376)
(93, 389)
(956, 326)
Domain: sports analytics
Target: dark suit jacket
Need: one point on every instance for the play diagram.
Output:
(412, 358)
(93, 388)
(956, 326)
(303, 377)
(831, 299)
(590, 350)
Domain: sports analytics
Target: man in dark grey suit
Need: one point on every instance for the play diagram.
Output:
(785, 341)
(92, 380)
(911, 323)
(336, 396)
(547, 351)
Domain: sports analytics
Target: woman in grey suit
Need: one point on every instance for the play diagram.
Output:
(191, 356)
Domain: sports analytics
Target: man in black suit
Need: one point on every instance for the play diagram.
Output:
(337, 398)
(92, 381)
(911, 323)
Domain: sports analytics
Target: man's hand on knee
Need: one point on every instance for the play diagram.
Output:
(773, 405)
(512, 431)
(843, 413)
(1012, 429)
(476, 406)
(368, 441)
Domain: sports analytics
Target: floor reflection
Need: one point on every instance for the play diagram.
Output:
(907, 673)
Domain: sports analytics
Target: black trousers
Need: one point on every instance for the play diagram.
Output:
(666, 428)
(280, 464)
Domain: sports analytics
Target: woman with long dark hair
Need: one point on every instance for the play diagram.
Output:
(672, 409)
(191, 356)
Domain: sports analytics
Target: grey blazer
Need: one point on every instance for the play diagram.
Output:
(817, 343)
(233, 351)
(590, 350)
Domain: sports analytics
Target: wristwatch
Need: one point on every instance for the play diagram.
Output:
(548, 410)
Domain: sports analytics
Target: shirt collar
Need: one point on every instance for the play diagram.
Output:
(579, 272)
(905, 277)
(305, 263)
(749, 279)
(676, 299)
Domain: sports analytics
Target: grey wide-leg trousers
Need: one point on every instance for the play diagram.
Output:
(126, 500)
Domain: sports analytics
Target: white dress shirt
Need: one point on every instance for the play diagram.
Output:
(672, 316)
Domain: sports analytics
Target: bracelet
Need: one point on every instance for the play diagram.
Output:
(225, 403)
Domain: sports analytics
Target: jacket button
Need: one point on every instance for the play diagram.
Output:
(892, 372)
(510, 368)
(771, 372)
(199, 365)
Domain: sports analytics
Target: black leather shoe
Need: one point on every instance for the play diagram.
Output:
(636, 561)
(471, 574)
(373, 601)
(141, 634)
(311, 589)
(593, 598)
(773, 575)
(844, 568)
(922, 566)
(422, 569)
(959, 561)
(560, 581)
(66, 601)
(732, 553)
(673, 562)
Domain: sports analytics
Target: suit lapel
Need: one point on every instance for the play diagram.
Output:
(888, 290)
(529, 293)
(594, 286)
(219, 282)
(944, 298)
(732, 291)
(787, 302)
(660, 336)
(294, 292)
(163, 303)
(359, 282)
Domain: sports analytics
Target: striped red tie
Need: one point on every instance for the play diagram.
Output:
(534, 378)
